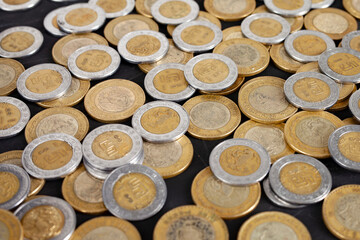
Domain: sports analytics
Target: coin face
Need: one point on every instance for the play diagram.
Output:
(282, 60)
(114, 8)
(230, 10)
(352, 6)
(10, 226)
(352, 40)
(10, 71)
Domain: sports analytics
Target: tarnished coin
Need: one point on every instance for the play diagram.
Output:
(10, 71)
(262, 99)
(270, 136)
(83, 192)
(106, 228)
(271, 224)
(122, 196)
(52, 156)
(14, 5)
(253, 167)
(47, 218)
(144, 7)
(228, 90)
(352, 40)
(352, 6)
(114, 100)
(15, 186)
(57, 120)
(51, 25)
(232, 32)
(20, 41)
(212, 117)
(336, 23)
(230, 10)
(190, 221)
(282, 60)
(308, 132)
(81, 18)
(169, 159)
(354, 104)
(289, 8)
(351, 121)
(225, 200)
(10, 226)
(14, 115)
(115, 8)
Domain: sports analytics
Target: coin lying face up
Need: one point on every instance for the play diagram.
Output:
(11, 225)
(113, 8)
(16, 6)
(354, 104)
(51, 25)
(288, 8)
(230, 10)
(352, 40)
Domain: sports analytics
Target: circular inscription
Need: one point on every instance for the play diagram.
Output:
(88, 189)
(160, 120)
(311, 89)
(330, 23)
(93, 60)
(170, 81)
(162, 155)
(105, 233)
(211, 71)
(230, 6)
(81, 17)
(111, 6)
(131, 25)
(43, 81)
(57, 123)
(347, 211)
(7, 75)
(143, 45)
(344, 64)
(75, 44)
(349, 146)
(273, 231)
(9, 115)
(9, 186)
(266, 27)
(243, 55)
(17, 41)
(268, 99)
(175, 9)
(309, 45)
(209, 115)
(197, 35)
(115, 99)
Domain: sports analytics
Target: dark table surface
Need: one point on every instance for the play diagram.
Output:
(178, 187)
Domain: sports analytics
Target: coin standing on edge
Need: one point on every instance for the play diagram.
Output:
(352, 40)
(352, 7)
(282, 60)
(11, 225)
(289, 8)
(17, 6)
(230, 10)
(354, 104)
(115, 9)
(51, 25)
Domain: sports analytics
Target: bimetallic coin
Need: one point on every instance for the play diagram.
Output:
(114, 8)
(51, 25)
(352, 40)
(47, 218)
(321, 3)
(289, 8)
(144, 7)
(94, 172)
(167, 82)
(307, 45)
(11, 228)
(266, 28)
(282, 60)
(14, 115)
(15, 186)
(17, 42)
(122, 196)
(225, 200)
(17, 5)
(81, 18)
(311, 91)
(230, 10)
(228, 90)
(354, 104)
(197, 36)
(352, 6)
(252, 168)
(191, 221)
(94, 62)
(174, 12)
(10, 71)
(232, 32)
(143, 46)
(52, 156)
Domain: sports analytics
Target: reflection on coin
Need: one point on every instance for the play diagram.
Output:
(212, 117)
(225, 200)
(228, 90)
(352, 40)
(13, 5)
(51, 25)
(190, 222)
(10, 71)
(144, 7)
(10, 226)
(115, 8)
(352, 6)
(288, 8)
(321, 3)
(282, 60)
(230, 10)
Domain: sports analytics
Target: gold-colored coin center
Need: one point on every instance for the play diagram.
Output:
(9, 115)
(115, 99)
(143, 45)
(170, 81)
(230, 7)
(81, 17)
(311, 89)
(112, 145)
(197, 35)
(43, 81)
(349, 146)
(17, 41)
(211, 71)
(175, 9)
(330, 23)
(93, 61)
(355, 43)
(160, 120)
(344, 64)
(266, 27)
(111, 6)
(15, 2)
(9, 186)
(309, 45)
(288, 4)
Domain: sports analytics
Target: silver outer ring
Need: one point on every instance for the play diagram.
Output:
(139, 214)
(334, 147)
(275, 199)
(103, 164)
(282, 192)
(311, 106)
(111, 69)
(37, 172)
(130, 4)
(155, 12)
(179, 131)
(38, 97)
(348, 37)
(9, 7)
(224, 176)
(354, 104)
(289, 47)
(38, 41)
(289, 13)
(48, 23)
(324, 67)
(245, 28)
(24, 117)
(211, 87)
(67, 27)
(66, 209)
(155, 93)
(24, 187)
(323, 4)
(196, 48)
(131, 58)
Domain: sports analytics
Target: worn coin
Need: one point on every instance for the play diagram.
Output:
(282, 60)
(352, 40)
(289, 8)
(115, 8)
(10, 226)
(352, 6)
(230, 10)
(10, 71)
(51, 25)
(14, 5)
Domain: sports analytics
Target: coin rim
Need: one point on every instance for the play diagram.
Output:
(48, 23)
(16, 7)
(130, 4)
(348, 37)
(353, 104)
(323, 4)
(250, 6)
(305, 8)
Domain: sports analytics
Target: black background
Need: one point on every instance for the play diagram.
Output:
(178, 187)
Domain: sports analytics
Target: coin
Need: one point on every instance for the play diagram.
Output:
(174, 12)
(351, 121)
(228, 90)
(288, 8)
(282, 60)
(191, 222)
(309, 67)
(321, 3)
(352, 40)
(352, 6)
(10, 226)
(334, 22)
(81, 18)
(262, 99)
(212, 117)
(225, 200)
(22, 41)
(120, 26)
(197, 36)
(17, 5)
(14, 187)
(308, 132)
(232, 32)
(230, 10)
(114, 100)
(65, 46)
(169, 159)
(14, 157)
(340, 105)
(83, 192)
(270, 136)
(123, 194)
(275, 225)
(52, 156)
(106, 228)
(51, 25)
(10, 71)
(47, 218)
(354, 104)
(57, 120)
(338, 210)
(144, 7)
(14, 115)
(114, 8)
(250, 56)
(94, 62)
